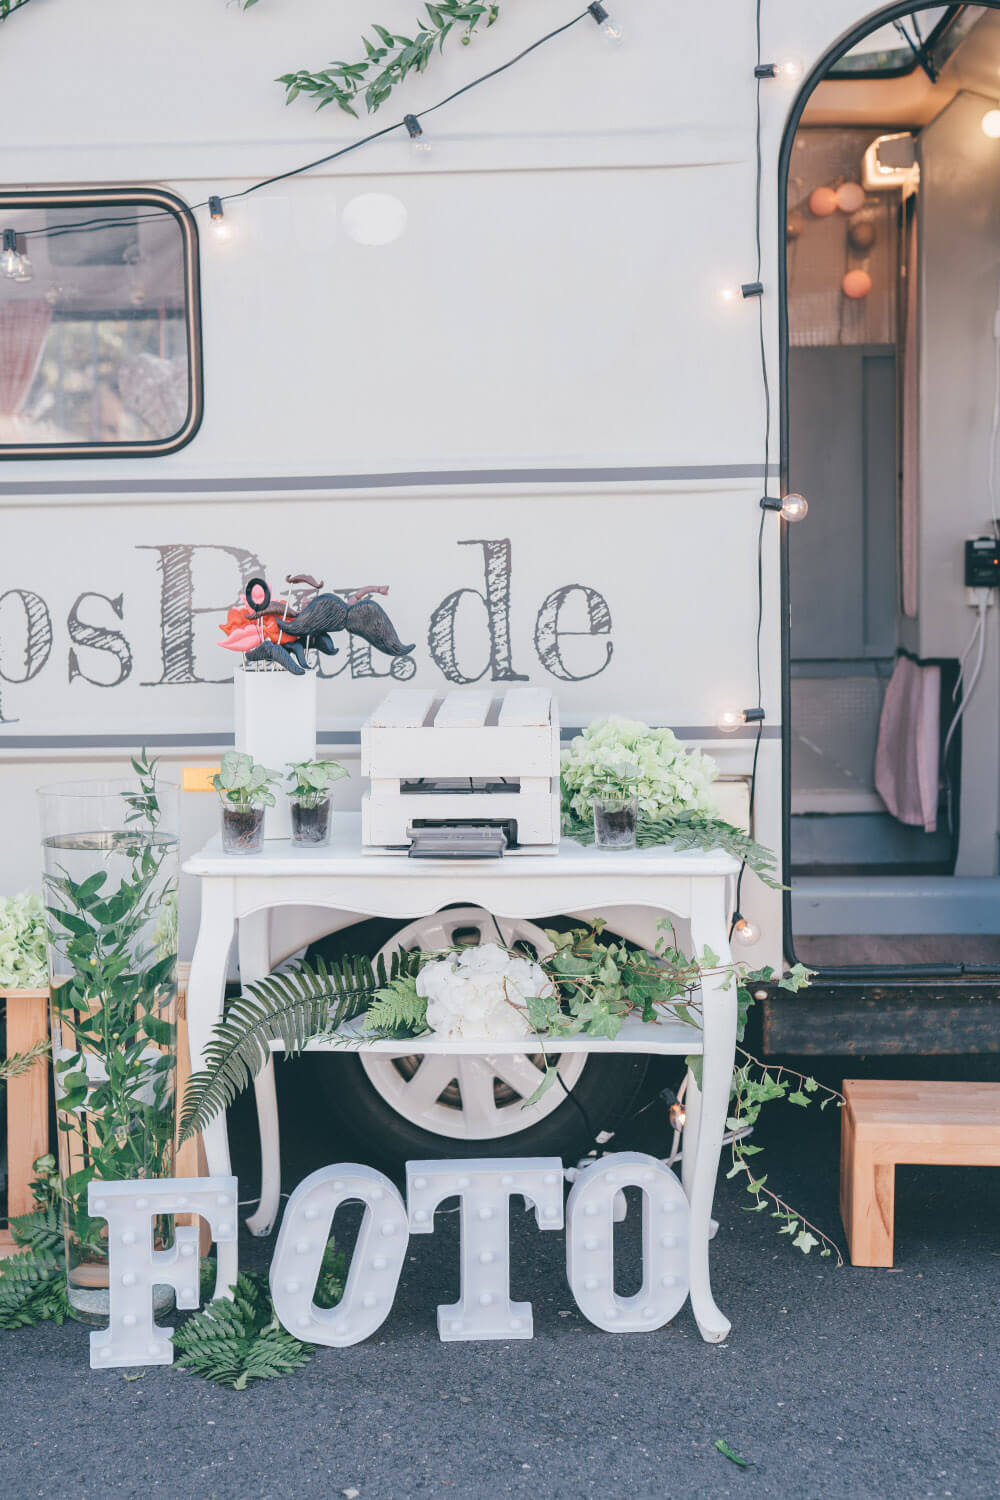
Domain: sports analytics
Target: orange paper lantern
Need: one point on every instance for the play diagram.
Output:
(823, 202)
(856, 284)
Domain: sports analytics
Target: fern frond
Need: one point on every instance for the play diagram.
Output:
(33, 1289)
(290, 1007)
(21, 1062)
(397, 1011)
(234, 1342)
(39, 1230)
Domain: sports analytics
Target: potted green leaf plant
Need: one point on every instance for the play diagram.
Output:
(310, 798)
(245, 789)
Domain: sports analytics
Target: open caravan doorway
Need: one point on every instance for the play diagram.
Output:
(892, 429)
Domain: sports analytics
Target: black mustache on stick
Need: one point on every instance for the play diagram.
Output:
(328, 612)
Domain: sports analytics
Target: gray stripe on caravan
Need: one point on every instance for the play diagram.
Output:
(411, 479)
(324, 737)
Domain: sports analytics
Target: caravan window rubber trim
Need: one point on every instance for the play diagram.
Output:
(137, 195)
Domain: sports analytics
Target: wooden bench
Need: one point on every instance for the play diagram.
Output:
(923, 1124)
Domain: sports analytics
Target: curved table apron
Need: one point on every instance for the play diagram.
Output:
(278, 901)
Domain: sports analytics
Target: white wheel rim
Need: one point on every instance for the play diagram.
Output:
(475, 1098)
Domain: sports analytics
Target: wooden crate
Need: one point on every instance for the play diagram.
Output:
(414, 738)
(26, 1101)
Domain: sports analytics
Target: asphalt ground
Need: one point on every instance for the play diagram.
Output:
(832, 1383)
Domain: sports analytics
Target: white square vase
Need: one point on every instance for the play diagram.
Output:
(276, 724)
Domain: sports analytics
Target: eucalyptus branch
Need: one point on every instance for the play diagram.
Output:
(389, 58)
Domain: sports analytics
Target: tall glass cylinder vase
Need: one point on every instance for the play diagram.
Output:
(110, 866)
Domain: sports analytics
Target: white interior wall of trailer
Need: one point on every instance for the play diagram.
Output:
(550, 305)
(959, 207)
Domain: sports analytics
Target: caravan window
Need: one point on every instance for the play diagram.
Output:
(99, 331)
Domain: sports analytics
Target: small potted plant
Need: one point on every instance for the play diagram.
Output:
(616, 808)
(244, 788)
(310, 798)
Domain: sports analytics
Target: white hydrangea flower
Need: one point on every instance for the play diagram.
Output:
(474, 995)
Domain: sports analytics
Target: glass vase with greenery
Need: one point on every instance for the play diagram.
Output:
(615, 804)
(310, 798)
(245, 789)
(110, 876)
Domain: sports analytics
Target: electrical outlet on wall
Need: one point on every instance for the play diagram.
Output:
(982, 570)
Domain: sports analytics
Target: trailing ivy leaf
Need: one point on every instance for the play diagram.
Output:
(798, 1097)
(727, 1452)
(805, 1241)
(548, 1079)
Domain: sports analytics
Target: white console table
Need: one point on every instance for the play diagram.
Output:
(279, 900)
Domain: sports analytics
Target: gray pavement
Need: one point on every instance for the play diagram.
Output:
(848, 1383)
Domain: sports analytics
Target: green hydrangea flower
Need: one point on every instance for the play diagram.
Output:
(23, 945)
(667, 779)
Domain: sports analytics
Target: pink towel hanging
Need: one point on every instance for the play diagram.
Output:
(908, 750)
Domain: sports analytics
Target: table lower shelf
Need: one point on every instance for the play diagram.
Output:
(670, 1037)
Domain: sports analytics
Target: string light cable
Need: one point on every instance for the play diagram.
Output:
(792, 507)
(215, 203)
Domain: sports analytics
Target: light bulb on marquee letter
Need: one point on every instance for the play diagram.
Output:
(990, 124)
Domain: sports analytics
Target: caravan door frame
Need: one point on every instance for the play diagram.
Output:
(815, 76)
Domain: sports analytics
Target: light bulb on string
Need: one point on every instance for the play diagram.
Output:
(732, 719)
(744, 931)
(611, 30)
(678, 1116)
(990, 124)
(10, 261)
(789, 69)
(25, 271)
(732, 292)
(217, 217)
(419, 144)
(792, 507)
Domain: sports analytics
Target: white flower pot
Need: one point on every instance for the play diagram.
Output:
(276, 724)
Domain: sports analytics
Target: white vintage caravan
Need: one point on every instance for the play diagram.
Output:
(518, 378)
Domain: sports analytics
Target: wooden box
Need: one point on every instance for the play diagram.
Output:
(471, 757)
(25, 1101)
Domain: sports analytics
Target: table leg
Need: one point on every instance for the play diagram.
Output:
(255, 964)
(689, 1139)
(709, 929)
(205, 1000)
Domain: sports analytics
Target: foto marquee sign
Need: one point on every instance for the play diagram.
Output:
(484, 1189)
